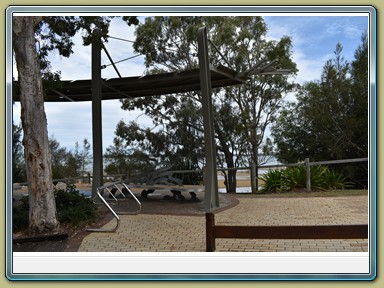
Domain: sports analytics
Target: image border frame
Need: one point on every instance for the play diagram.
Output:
(204, 9)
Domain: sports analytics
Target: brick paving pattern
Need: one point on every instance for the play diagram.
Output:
(168, 233)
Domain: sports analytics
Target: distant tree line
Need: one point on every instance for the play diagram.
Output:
(65, 163)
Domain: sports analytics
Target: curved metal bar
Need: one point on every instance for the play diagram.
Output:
(118, 188)
(115, 214)
(112, 211)
(134, 197)
(110, 193)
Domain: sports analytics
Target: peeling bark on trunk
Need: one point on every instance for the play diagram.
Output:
(42, 207)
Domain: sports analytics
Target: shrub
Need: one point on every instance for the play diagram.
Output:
(72, 209)
(293, 178)
(335, 180)
(20, 214)
(272, 181)
(318, 182)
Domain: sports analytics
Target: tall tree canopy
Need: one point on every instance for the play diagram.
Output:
(242, 113)
(33, 38)
(329, 120)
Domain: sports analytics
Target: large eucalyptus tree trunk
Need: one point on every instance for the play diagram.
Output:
(42, 208)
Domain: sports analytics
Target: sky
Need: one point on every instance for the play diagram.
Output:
(314, 39)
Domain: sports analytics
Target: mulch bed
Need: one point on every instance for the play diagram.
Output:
(156, 203)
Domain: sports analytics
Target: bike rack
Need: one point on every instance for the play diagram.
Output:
(115, 214)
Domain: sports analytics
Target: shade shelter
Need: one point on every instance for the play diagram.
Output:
(141, 86)
(203, 78)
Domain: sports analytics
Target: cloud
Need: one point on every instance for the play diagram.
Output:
(314, 39)
(352, 32)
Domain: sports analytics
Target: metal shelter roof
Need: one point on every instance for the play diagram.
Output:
(152, 85)
(139, 86)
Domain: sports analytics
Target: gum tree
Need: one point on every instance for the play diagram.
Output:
(32, 39)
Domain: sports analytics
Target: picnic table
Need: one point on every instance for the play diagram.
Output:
(176, 190)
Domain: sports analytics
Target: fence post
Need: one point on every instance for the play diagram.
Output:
(209, 236)
(307, 175)
(254, 187)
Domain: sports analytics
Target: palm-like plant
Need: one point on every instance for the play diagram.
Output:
(293, 178)
(335, 180)
(272, 181)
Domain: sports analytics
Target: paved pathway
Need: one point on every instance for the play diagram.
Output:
(167, 233)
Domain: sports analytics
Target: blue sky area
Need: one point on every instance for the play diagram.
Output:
(314, 39)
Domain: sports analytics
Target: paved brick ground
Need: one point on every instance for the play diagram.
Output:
(167, 233)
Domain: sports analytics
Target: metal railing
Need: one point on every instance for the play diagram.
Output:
(112, 188)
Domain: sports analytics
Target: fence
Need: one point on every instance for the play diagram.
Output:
(280, 232)
(308, 165)
(251, 169)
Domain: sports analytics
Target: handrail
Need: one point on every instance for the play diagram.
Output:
(115, 214)
(134, 197)
(111, 210)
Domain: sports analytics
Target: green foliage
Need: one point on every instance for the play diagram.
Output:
(66, 164)
(188, 178)
(329, 120)
(335, 180)
(294, 178)
(20, 215)
(72, 209)
(241, 112)
(272, 181)
(18, 163)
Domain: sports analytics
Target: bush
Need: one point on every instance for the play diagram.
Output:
(20, 214)
(272, 181)
(335, 180)
(72, 209)
(294, 178)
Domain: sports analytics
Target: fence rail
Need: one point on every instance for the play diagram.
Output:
(280, 232)
(251, 168)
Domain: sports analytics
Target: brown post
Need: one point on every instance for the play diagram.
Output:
(307, 175)
(210, 237)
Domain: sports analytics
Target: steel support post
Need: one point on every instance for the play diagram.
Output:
(97, 177)
(211, 198)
